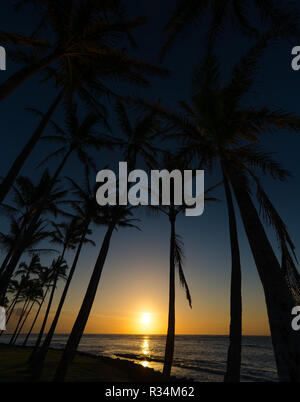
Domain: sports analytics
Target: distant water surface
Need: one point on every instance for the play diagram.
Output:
(202, 358)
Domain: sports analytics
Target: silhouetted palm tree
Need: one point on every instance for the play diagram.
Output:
(88, 38)
(58, 268)
(114, 217)
(40, 199)
(176, 260)
(45, 279)
(66, 235)
(188, 12)
(84, 56)
(215, 127)
(34, 293)
(25, 271)
(87, 210)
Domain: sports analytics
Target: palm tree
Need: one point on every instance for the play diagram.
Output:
(25, 297)
(87, 211)
(58, 269)
(31, 229)
(25, 271)
(176, 260)
(114, 217)
(25, 197)
(66, 235)
(88, 39)
(29, 246)
(138, 142)
(77, 139)
(139, 136)
(45, 278)
(83, 56)
(215, 128)
(187, 12)
(34, 293)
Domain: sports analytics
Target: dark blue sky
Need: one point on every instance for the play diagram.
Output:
(206, 237)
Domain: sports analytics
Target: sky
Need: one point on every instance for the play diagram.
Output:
(135, 276)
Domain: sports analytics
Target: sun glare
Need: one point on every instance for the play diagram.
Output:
(146, 318)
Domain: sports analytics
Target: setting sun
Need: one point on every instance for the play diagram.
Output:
(146, 318)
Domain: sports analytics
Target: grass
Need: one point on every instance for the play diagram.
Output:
(85, 368)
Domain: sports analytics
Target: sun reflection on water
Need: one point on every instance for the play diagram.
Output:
(145, 348)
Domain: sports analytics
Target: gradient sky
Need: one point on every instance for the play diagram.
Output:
(135, 278)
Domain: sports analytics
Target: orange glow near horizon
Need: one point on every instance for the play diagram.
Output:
(140, 310)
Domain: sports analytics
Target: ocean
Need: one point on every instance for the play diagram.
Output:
(199, 357)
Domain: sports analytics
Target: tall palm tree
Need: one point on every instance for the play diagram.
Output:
(87, 211)
(34, 293)
(25, 271)
(138, 142)
(188, 12)
(45, 279)
(176, 260)
(216, 128)
(66, 235)
(83, 56)
(25, 298)
(114, 217)
(58, 268)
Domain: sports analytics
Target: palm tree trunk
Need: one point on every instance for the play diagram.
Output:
(12, 306)
(86, 306)
(13, 82)
(6, 260)
(25, 319)
(19, 249)
(235, 337)
(38, 341)
(35, 318)
(41, 333)
(26, 303)
(41, 354)
(279, 301)
(169, 350)
(26, 151)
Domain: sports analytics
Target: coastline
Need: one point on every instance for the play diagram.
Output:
(85, 368)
